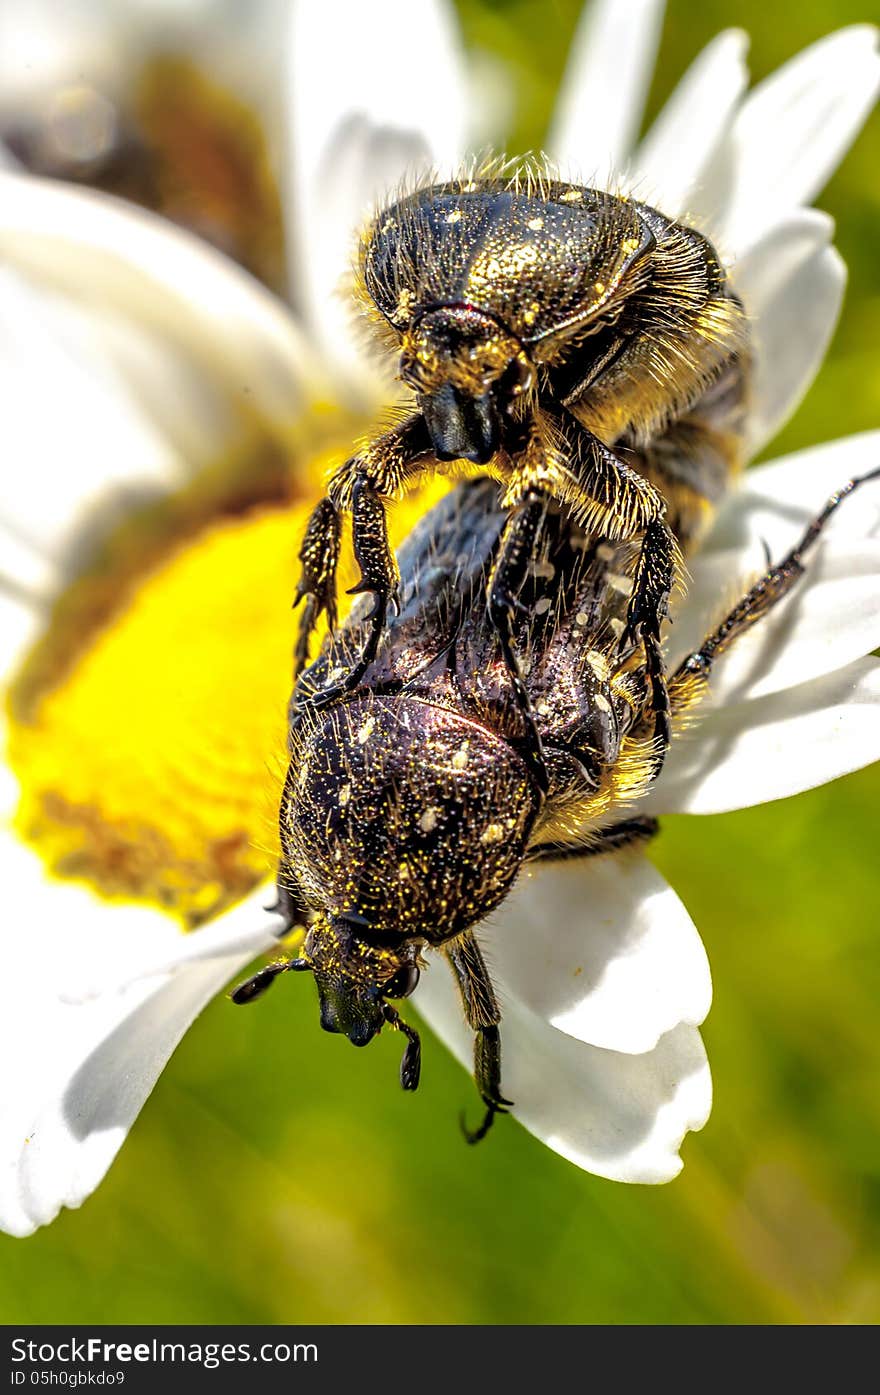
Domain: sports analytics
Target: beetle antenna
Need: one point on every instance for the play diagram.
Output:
(254, 987)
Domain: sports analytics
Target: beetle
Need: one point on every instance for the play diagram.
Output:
(579, 346)
(412, 803)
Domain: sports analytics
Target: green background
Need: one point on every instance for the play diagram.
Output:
(277, 1176)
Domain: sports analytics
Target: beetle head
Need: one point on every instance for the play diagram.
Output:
(468, 370)
(356, 979)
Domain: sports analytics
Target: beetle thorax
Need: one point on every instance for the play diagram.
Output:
(460, 346)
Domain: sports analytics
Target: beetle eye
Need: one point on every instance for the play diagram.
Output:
(401, 984)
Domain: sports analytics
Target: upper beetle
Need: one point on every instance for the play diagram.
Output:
(579, 346)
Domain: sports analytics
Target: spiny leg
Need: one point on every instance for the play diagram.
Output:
(378, 567)
(625, 834)
(483, 1015)
(362, 485)
(612, 500)
(621, 504)
(693, 672)
(511, 567)
(319, 556)
(647, 610)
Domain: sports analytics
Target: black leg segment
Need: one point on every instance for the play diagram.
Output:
(509, 573)
(319, 556)
(648, 607)
(766, 593)
(483, 1014)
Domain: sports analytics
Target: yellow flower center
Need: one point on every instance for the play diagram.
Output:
(151, 762)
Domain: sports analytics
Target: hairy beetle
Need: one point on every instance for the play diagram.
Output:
(579, 346)
(412, 803)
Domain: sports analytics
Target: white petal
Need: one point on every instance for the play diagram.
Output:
(620, 1116)
(682, 143)
(792, 132)
(7, 159)
(746, 753)
(831, 617)
(604, 89)
(246, 930)
(69, 429)
(776, 501)
(45, 43)
(114, 258)
(85, 1066)
(387, 101)
(603, 949)
(240, 46)
(22, 620)
(791, 282)
(49, 46)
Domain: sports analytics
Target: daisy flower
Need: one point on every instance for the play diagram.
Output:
(169, 419)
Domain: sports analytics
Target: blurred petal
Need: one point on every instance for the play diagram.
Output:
(751, 752)
(790, 135)
(240, 46)
(45, 43)
(22, 618)
(791, 282)
(682, 143)
(603, 949)
(116, 259)
(376, 92)
(22, 621)
(604, 89)
(49, 45)
(69, 429)
(619, 1116)
(85, 1066)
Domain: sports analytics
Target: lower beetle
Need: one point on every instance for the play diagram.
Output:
(412, 801)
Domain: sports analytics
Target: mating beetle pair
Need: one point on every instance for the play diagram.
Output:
(588, 357)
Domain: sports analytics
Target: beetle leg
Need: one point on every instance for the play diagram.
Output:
(483, 1015)
(509, 572)
(319, 556)
(362, 485)
(692, 675)
(378, 566)
(411, 1064)
(603, 840)
(605, 494)
(614, 501)
(648, 607)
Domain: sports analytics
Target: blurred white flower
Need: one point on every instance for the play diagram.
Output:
(52, 48)
(175, 104)
(133, 355)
